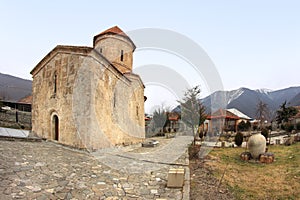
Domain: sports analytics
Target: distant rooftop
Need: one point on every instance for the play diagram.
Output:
(26, 100)
(238, 113)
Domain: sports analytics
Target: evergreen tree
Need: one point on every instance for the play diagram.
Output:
(159, 118)
(284, 113)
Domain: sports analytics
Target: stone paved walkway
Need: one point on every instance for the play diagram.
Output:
(45, 170)
(125, 159)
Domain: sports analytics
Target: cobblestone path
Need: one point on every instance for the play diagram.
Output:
(133, 161)
(45, 170)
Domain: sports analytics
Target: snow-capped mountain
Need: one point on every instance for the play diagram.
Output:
(264, 90)
(246, 100)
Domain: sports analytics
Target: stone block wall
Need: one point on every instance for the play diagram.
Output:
(111, 47)
(9, 119)
(95, 104)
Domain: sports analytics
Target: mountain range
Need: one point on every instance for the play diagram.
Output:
(244, 99)
(13, 88)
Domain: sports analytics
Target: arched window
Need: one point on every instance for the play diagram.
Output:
(55, 127)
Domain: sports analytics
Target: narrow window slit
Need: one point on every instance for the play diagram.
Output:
(122, 55)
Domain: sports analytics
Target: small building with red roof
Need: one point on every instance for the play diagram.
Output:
(222, 120)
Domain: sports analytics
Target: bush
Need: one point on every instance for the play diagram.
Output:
(255, 127)
(201, 134)
(289, 127)
(242, 126)
(298, 126)
(265, 133)
(270, 127)
(238, 139)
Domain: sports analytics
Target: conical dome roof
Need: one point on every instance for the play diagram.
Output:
(114, 30)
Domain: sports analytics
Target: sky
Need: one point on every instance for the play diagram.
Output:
(254, 44)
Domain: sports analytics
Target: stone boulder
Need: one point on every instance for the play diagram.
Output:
(266, 158)
(257, 145)
(245, 156)
(290, 140)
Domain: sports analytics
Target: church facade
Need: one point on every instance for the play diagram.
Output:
(88, 97)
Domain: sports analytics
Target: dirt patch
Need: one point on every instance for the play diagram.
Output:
(204, 185)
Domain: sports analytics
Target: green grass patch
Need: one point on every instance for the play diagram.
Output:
(254, 180)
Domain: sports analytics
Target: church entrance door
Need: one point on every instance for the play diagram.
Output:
(56, 127)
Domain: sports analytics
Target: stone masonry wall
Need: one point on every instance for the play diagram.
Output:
(47, 103)
(111, 47)
(9, 119)
(89, 95)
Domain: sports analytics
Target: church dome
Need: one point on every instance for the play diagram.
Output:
(116, 47)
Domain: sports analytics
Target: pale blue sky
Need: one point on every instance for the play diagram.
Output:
(253, 44)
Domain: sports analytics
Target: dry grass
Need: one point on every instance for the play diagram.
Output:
(253, 180)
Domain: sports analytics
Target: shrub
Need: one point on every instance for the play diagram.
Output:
(270, 127)
(242, 126)
(298, 126)
(201, 134)
(255, 127)
(238, 139)
(265, 133)
(289, 127)
(248, 125)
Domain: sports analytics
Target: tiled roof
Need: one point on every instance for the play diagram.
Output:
(115, 30)
(26, 100)
(221, 113)
(238, 113)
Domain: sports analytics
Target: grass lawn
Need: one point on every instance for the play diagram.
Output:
(253, 180)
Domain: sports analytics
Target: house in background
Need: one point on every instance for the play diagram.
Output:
(242, 116)
(224, 120)
(23, 104)
(172, 124)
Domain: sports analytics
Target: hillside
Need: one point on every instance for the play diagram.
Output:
(14, 88)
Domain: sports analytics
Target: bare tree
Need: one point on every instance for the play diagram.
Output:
(262, 112)
(192, 111)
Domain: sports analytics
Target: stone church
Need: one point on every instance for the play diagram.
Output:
(88, 97)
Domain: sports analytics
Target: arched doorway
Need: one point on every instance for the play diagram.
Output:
(55, 123)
